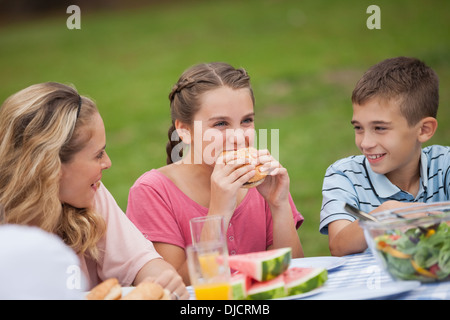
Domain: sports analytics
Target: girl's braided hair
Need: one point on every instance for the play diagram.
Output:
(185, 95)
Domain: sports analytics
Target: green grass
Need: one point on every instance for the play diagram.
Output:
(304, 58)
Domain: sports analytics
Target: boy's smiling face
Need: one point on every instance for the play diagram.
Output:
(382, 133)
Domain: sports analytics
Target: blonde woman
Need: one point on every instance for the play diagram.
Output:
(52, 155)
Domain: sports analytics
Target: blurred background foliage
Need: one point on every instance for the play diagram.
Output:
(304, 58)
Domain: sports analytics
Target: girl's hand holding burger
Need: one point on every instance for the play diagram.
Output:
(228, 176)
(234, 169)
(275, 188)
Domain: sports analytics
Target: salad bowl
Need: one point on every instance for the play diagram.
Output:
(412, 243)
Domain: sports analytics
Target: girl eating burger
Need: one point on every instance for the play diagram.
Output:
(215, 100)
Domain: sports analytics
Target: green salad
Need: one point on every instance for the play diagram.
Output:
(417, 254)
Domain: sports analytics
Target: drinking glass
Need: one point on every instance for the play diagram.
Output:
(209, 270)
(208, 229)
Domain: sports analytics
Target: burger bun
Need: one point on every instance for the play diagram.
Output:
(246, 155)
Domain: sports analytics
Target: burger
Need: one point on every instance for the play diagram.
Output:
(245, 155)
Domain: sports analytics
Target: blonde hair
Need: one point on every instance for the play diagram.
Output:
(41, 127)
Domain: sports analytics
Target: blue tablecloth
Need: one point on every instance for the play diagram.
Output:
(361, 277)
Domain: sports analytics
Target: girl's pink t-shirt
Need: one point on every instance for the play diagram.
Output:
(162, 212)
(124, 251)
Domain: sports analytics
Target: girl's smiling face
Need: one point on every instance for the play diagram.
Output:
(225, 120)
(80, 177)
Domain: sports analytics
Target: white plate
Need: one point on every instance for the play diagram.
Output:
(318, 262)
(327, 262)
(302, 295)
(293, 297)
(125, 291)
(365, 293)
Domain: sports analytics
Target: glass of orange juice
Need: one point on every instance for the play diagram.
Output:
(209, 271)
(208, 228)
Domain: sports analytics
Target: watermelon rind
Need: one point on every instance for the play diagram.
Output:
(238, 292)
(273, 267)
(239, 286)
(271, 289)
(262, 266)
(313, 280)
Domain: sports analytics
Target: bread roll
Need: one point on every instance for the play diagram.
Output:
(107, 290)
(166, 295)
(146, 291)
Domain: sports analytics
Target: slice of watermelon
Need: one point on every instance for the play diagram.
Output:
(271, 289)
(263, 265)
(239, 286)
(301, 280)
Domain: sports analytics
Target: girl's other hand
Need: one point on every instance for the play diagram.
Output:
(275, 188)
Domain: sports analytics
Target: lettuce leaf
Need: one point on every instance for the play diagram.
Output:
(429, 248)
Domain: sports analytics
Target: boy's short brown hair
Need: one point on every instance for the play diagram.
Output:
(408, 79)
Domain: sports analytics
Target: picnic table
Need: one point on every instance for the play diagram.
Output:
(361, 277)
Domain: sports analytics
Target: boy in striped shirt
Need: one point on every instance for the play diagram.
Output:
(395, 105)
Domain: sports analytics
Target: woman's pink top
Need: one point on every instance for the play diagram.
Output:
(162, 212)
(124, 250)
